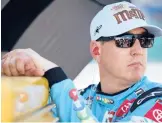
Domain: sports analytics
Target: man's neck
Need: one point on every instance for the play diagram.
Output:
(111, 84)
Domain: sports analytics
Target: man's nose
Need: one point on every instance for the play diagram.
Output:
(136, 49)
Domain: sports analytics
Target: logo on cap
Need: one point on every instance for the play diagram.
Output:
(126, 15)
(117, 7)
(97, 29)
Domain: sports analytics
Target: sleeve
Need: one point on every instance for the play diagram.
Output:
(61, 94)
(60, 86)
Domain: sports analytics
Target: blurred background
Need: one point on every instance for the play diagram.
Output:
(59, 31)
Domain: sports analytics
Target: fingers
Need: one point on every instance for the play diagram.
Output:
(14, 63)
(31, 69)
(29, 65)
(12, 67)
(2, 62)
(34, 72)
(38, 72)
(22, 62)
(34, 56)
(5, 66)
(20, 65)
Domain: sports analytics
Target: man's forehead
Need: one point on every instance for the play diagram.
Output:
(139, 30)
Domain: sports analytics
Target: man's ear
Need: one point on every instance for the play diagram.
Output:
(95, 50)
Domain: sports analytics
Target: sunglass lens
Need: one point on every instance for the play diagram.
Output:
(146, 42)
(124, 41)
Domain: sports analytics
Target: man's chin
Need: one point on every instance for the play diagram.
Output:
(136, 77)
(135, 74)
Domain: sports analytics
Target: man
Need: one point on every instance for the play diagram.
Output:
(120, 37)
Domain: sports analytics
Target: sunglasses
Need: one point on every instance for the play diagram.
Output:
(127, 40)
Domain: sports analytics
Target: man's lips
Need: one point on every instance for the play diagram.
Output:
(135, 64)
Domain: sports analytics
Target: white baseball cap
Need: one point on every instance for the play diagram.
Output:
(118, 18)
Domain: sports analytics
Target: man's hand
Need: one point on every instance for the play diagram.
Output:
(25, 62)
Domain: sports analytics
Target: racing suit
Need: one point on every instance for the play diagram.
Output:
(140, 102)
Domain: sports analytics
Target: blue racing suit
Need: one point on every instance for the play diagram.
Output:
(142, 102)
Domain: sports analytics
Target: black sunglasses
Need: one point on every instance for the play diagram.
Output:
(127, 40)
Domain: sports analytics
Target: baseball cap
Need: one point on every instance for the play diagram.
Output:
(118, 18)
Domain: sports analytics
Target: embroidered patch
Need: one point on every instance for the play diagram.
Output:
(124, 108)
(155, 113)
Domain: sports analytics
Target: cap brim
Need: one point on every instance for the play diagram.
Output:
(156, 31)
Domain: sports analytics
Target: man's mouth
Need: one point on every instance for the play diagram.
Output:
(134, 64)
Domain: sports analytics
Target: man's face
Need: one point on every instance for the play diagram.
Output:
(124, 63)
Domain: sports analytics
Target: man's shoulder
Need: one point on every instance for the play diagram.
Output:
(148, 84)
(148, 104)
(151, 92)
